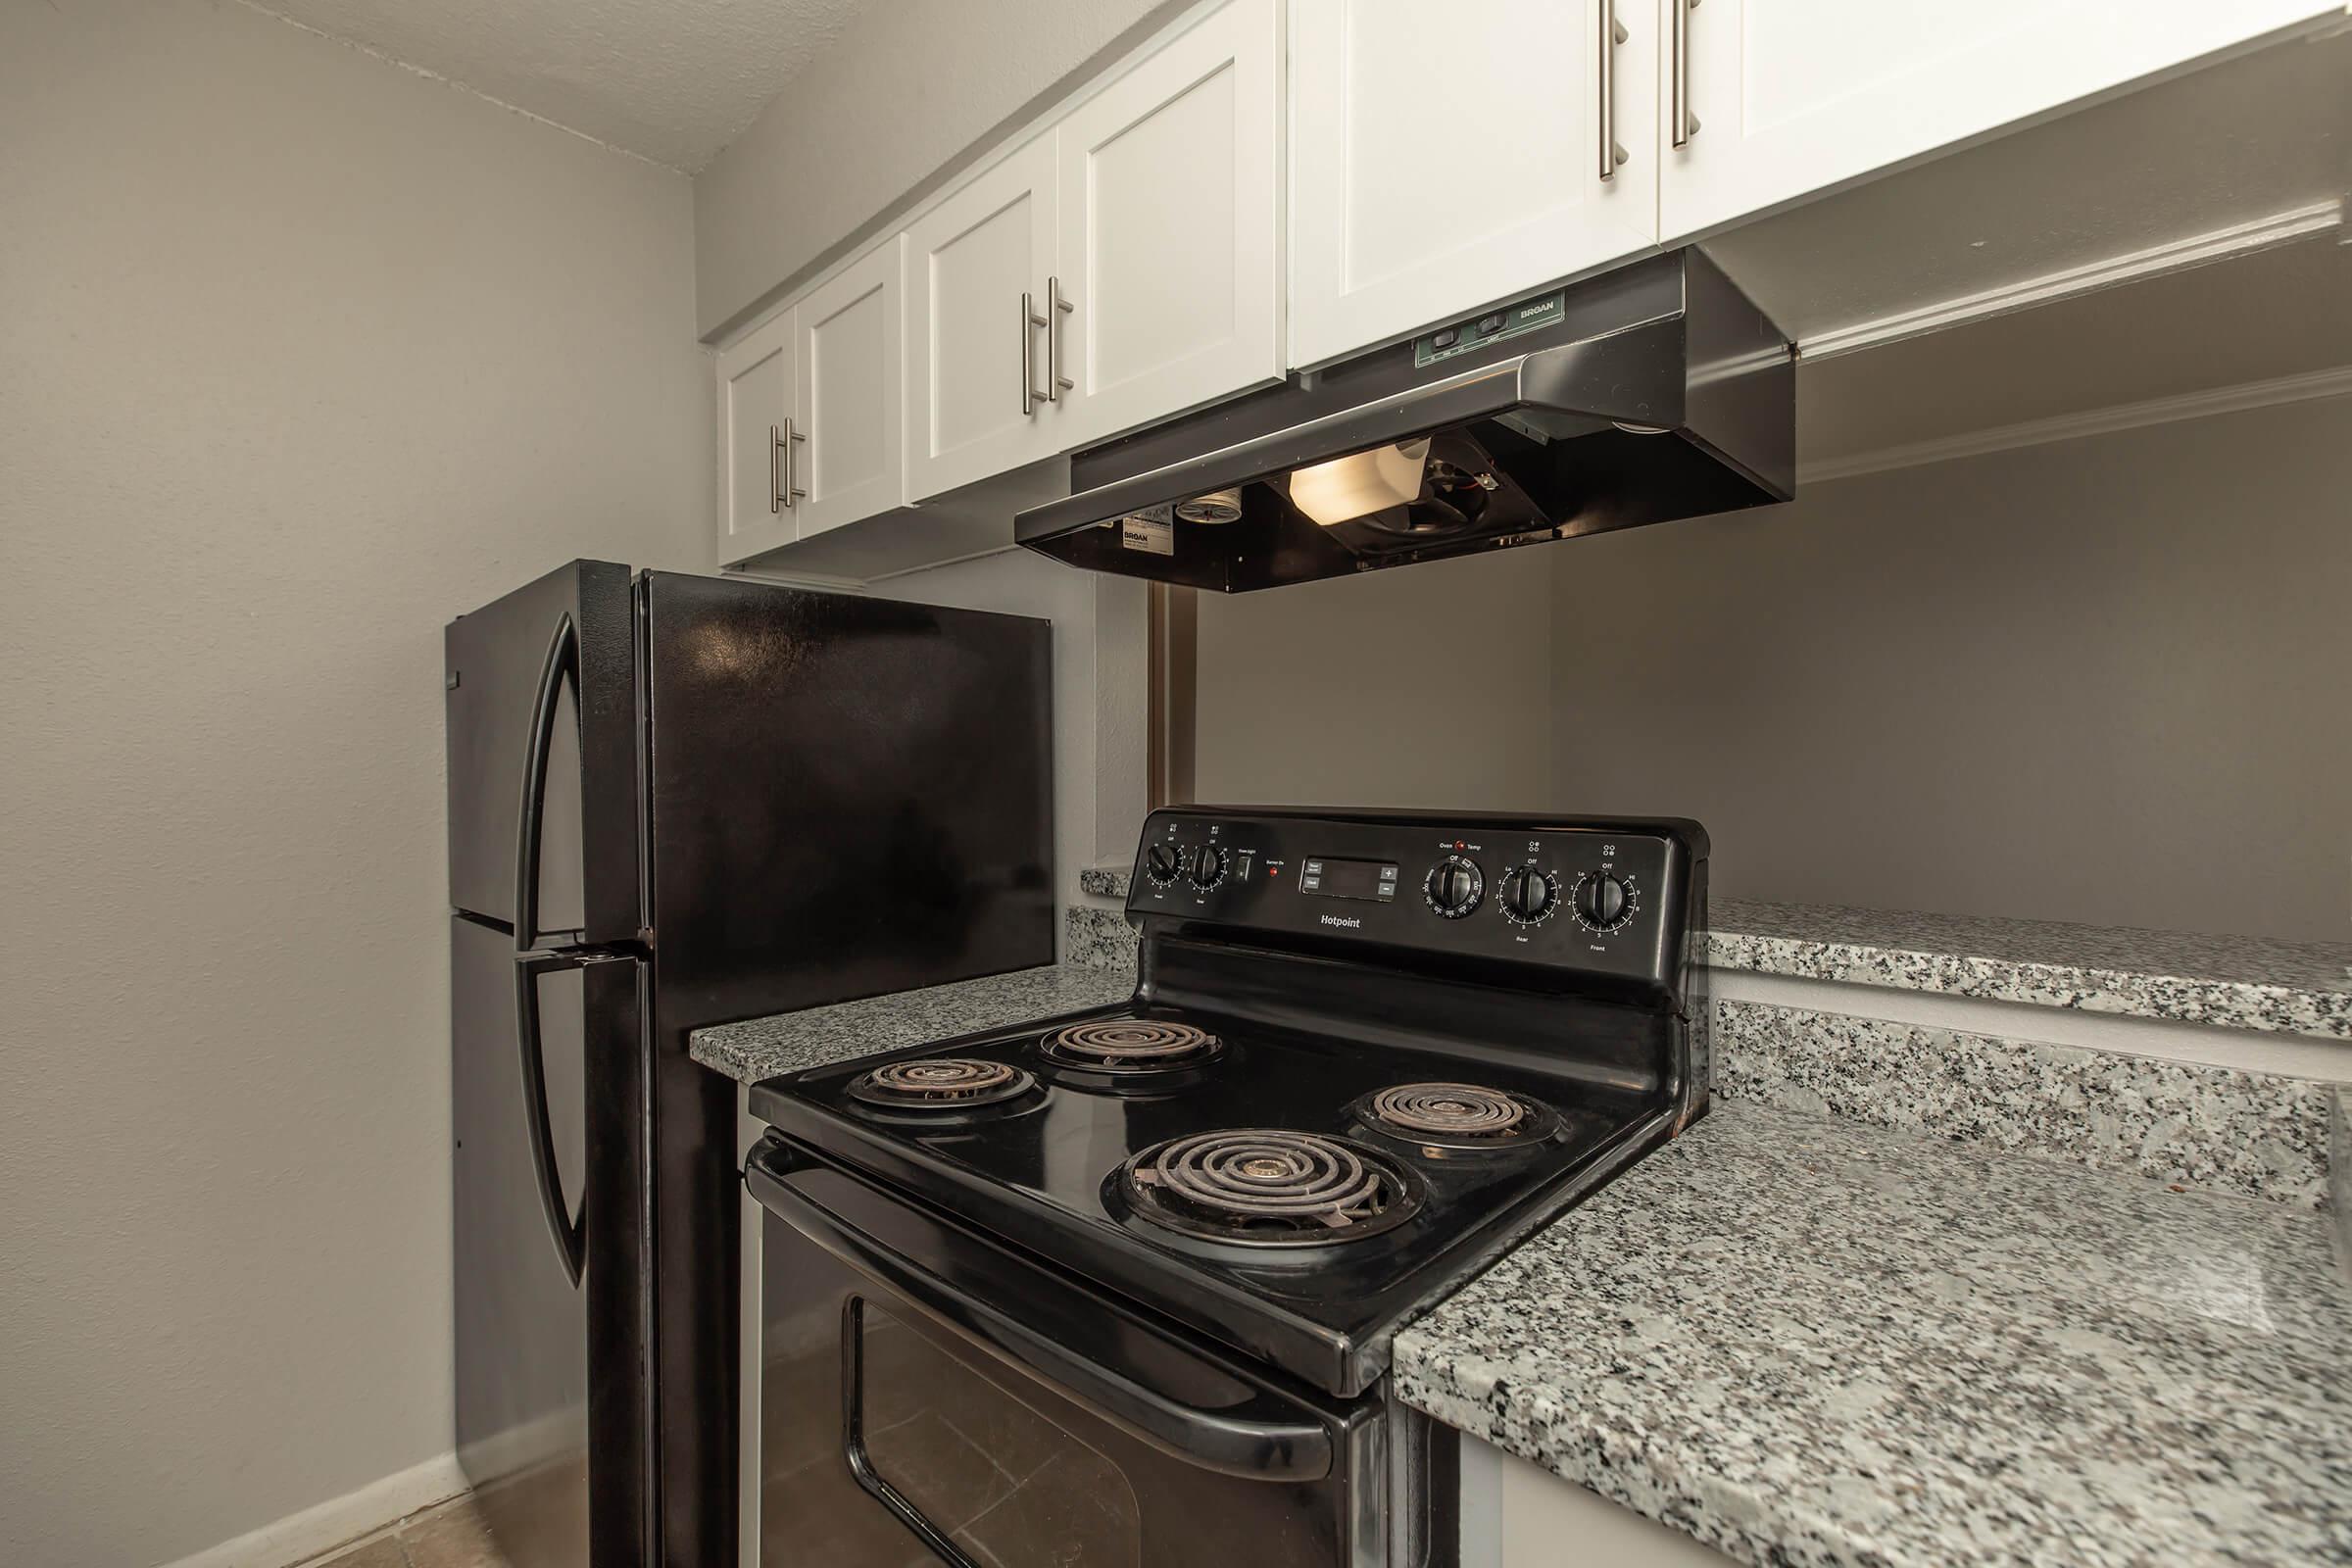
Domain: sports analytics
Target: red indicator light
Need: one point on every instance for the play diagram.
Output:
(1459, 844)
(1273, 870)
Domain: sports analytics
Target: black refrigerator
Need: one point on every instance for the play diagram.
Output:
(678, 801)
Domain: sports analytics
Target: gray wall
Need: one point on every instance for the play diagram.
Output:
(905, 91)
(1419, 686)
(299, 355)
(2107, 680)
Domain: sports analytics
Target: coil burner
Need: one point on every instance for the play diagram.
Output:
(1456, 1116)
(1268, 1188)
(941, 1083)
(1132, 1044)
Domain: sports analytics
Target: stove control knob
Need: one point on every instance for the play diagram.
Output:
(1162, 863)
(1454, 886)
(1208, 867)
(1601, 901)
(1529, 896)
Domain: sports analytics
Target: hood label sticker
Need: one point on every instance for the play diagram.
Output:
(1152, 530)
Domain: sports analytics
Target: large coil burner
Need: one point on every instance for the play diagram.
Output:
(941, 1083)
(1269, 1188)
(1132, 1045)
(1463, 1116)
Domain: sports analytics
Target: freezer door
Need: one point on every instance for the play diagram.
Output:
(546, 1068)
(542, 732)
(848, 794)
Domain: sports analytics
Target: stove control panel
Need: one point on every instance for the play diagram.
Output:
(1605, 896)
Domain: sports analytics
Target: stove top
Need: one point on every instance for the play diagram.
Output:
(1286, 1141)
(1263, 1198)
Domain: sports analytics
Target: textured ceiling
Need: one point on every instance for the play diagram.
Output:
(672, 80)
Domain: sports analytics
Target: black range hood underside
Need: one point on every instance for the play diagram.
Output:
(1660, 392)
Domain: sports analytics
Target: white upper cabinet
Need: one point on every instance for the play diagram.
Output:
(979, 398)
(1170, 253)
(1276, 184)
(850, 395)
(1785, 98)
(755, 411)
(1446, 157)
(810, 409)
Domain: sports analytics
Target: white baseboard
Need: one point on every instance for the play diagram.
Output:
(303, 1535)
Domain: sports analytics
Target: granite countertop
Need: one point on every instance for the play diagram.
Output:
(816, 1037)
(2232, 982)
(1106, 881)
(2226, 981)
(1810, 1342)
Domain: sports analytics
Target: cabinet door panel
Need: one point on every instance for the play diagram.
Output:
(1444, 162)
(754, 399)
(1793, 97)
(968, 261)
(1170, 212)
(851, 397)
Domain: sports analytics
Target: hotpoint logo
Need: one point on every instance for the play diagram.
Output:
(1349, 920)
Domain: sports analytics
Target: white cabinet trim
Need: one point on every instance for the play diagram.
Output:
(751, 402)
(1246, 39)
(881, 274)
(934, 467)
(2173, 256)
(2057, 55)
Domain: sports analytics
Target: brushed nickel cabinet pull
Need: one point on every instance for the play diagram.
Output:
(1031, 396)
(775, 481)
(792, 490)
(1056, 308)
(1685, 124)
(1612, 34)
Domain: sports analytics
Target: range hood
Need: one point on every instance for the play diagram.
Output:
(1653, 392)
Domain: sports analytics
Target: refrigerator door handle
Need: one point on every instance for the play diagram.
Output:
(563, 663)
(568, 1227)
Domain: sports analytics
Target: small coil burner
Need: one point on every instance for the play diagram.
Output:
(1269, 1188)
(941, 1083)
(1456, 1116)
(1132, 1044)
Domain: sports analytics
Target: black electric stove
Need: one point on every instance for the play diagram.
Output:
(1366, 1055)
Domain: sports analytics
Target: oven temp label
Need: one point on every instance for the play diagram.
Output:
(1152, 530)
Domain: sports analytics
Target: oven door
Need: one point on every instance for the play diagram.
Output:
(926, 1395)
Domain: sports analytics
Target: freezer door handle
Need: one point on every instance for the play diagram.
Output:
(563, 663)
(568, 1226)
(999, 1303)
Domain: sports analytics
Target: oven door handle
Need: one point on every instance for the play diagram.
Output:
(1251, 1441)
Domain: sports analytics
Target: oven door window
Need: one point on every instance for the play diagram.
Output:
(1049, 1430)
(970, 1468)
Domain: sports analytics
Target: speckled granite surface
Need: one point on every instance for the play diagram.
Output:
(1809, 1342)
(816, 1037)
(1104, 882)
(2340, 1177)
(2234, 982)
(2257, 1135)
(1098, 937)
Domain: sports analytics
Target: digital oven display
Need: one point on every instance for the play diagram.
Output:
(1347, 879)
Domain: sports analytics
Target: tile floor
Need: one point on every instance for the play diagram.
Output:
(449, 1534)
